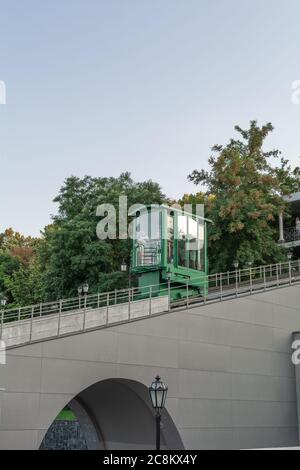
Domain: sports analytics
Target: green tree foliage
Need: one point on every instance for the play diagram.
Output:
(25, 285)
(17, 262)
(244, 189)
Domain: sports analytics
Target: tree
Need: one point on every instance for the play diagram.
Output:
(8, 265)
(244, 189)
(17, 257)
(25, 285)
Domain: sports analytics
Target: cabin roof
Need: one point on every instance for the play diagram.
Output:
(164, 206)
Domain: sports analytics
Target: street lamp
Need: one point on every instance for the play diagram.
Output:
(289, 257)
(85, 288)
(236, 264)
(158, 394)
(123, 267)
(3, 302)
(250, 263)
(236, 267)
(83, 292)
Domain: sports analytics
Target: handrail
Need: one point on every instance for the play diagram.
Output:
(212, 280)
(215, 287)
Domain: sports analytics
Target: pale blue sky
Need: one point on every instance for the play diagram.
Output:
(99, 87)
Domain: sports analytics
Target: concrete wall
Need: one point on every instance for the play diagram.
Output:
(53, 325)
(228, 368)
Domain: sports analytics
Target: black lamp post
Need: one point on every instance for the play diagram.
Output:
(85, 288)
(236, 267)
(123, 267)
(83, 292)
(158, 394)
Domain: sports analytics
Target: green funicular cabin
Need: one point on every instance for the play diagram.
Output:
(169, 248)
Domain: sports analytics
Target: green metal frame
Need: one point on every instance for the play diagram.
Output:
(183, 280)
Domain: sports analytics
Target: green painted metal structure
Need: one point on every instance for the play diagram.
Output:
(170, 250)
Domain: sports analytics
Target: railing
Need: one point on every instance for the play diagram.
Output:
(148, 254)
(52, 319)
(291, 234)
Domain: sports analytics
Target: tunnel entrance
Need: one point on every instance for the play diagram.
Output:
(114, 414)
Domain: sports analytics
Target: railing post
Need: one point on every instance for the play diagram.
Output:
(221, 287)
(59, 317)
(98, 300)
(115, 296)
(236, 283)
(19, 314)
(31, 324)
(41, 309)
(107, 309)
(205, 288)
(2, 322)
(228, 278)
(290, 272)
(169, 295)
(187, 293)
(129, 305)
(277, 274)
(84, 313)
(150, 300)
(265, 286)
(216, 279)
(250, 277)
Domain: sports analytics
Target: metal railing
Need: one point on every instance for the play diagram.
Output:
(148, 254)
(119, 306)
(291, 234)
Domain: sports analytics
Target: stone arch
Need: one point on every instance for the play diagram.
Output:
(117, 414)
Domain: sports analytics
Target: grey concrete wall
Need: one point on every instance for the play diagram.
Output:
(228, 367)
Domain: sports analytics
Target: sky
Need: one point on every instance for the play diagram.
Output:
(100, 87)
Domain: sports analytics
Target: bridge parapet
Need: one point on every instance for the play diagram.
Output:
(51, 326)
(76, 315)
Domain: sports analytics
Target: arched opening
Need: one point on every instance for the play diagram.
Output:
(114, 414)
